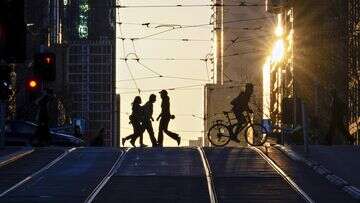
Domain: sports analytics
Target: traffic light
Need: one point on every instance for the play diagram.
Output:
(45, 66)
(33, 88)
(32, 84)
(12, 31)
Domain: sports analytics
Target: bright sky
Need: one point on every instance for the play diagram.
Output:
(185, 102)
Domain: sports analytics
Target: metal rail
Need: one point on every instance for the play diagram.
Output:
(106, 179)
(37, 173)
(15, 156)
(210, 183)
(293, 185)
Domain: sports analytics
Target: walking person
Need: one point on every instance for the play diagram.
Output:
(165, 117)
(136, 118)
(42, 132)
(98, 141)
(148, 118)
(337, 122)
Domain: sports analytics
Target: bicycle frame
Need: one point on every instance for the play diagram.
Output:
(231, 126)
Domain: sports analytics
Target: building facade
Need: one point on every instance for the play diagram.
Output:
(91, 69)
(90, 81)
(315, 59)
(354, 68)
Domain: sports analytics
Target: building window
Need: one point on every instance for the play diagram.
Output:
(83, 19)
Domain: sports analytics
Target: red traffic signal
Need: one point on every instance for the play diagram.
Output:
(32, 84)
(48, 60)
(44, 66)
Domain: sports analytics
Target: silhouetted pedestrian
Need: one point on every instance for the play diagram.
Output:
(136, 119)
(148, 118)
(77, 131)
(42, 131)
(337, 121)
(165, 119)
(99, 139)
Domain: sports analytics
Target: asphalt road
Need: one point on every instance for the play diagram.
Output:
(147, 175)
(71, 179)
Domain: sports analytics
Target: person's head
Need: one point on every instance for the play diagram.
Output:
(249, 88)
(163, 93)
(137, 100)
(152, 98)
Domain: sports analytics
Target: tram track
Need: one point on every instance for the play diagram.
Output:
(208, 174)
(35, 174)
(287, 178)
(15, 156)
(106, 179)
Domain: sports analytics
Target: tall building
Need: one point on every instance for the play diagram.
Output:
(90, 34)
(90, 81)
(241, 37)
(89, 19)
(314, 35)
(354, 68)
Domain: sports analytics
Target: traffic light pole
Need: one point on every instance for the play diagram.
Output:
(2, 123)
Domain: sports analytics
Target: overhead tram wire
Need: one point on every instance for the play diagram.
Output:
(132, 77)
(242, 4)
(171, 39)
(142, 78)
(169, 89)
(162, 59)
(157, 24)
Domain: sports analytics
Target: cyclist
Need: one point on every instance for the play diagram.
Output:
(240, 105)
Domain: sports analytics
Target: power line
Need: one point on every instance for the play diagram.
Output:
(159, 25)
(173, 27)
(241, 4)
(163, 59)
(132, 77)
(171, 39)
(169, 89)
(142, 78)
(168, 77)
(147, 68)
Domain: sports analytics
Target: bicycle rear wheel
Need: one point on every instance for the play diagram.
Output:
(219, 135)
(255, 135)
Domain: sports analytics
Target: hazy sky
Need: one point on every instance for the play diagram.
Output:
(184, 102)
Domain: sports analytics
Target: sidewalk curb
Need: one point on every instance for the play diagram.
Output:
(339, 182)
(4, 160)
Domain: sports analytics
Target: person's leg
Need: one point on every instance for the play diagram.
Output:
(241, 121)
(138, 131)
(150, 130)
(161, 135)
(169, 133)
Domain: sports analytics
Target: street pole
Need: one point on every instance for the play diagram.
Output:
(219, 42)
(2, 123)
(304, 127)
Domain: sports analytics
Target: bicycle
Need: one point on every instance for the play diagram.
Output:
(222, 132)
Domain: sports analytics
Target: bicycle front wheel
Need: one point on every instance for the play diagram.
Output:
(219, 135)
(255, 135)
